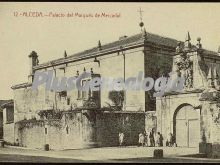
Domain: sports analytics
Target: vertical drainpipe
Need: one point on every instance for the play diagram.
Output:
(55, 98)
(123, 53)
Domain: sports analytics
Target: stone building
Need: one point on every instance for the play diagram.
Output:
(74, 119)
(7, 120)
(192, 115)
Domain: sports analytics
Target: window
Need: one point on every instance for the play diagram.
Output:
(63, 94)
(84, 94)
(9, 115)
(79, 94)
(68, 101)
(67, 130)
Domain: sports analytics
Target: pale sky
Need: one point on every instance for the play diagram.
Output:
(49, 37)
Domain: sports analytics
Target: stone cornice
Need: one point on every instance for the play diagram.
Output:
(140, 43)
(23, 85)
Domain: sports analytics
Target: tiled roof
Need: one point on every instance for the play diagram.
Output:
(125, 42)
(153, 38)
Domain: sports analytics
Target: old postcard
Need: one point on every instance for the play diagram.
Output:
(109, 82)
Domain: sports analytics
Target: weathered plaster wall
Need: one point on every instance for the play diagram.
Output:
(166, 107)
(28, 102)
(210, 127)
(8, 129)
(110, 124)
(82, 130)
(66, 133)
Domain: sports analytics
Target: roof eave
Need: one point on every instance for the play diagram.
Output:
(137, 44)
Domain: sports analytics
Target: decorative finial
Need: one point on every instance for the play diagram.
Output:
(84, 69)
(91, 70)
(178, 48)
(99, 45)
(141, 24)
(216, 78)
(209, 77)
(37, 61)
(77, 73)
(188, 38)
(199, 45)
(33, 54)
(187, 44)
(65, 54)
(215, 74)
(144, 33)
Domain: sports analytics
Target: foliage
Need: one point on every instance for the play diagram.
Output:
(30, 123)
(55, 123)
(109, 107)
(117, 97)
(50, 114)
(210, 96)
(90, 103)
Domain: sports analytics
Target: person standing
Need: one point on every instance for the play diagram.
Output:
(141, 139)
(170, 140)
(121, 138)
(161, 140)
(158, 139)
(145, 138)
(151, 137)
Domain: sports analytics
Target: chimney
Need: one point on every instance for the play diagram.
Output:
(219, 50)
(33, 61)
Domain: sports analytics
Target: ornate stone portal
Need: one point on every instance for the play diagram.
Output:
(185, 68)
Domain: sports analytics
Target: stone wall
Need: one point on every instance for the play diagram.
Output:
(166, 108)
(210, 126)
(28, 102)
(65, 133)
(81, 130)
(157, 63)
(8, 129)
(110, 124)
(1, 124)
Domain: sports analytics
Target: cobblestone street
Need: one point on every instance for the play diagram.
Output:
(107, 154)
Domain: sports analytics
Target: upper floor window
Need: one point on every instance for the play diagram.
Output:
(85, 95)
(63, 94)
(9, 115)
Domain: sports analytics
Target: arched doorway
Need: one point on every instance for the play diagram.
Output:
(187, 126)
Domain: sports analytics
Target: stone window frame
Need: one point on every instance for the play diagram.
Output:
(88, 93)
(9, 111)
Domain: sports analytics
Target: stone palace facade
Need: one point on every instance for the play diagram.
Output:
(75, 119)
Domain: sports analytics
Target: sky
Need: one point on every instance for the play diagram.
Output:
(51, 36)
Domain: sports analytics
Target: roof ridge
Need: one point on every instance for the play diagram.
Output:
(151, 38)
(128, 37)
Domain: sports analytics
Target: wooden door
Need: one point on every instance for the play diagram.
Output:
(194, 132)
(187, 127)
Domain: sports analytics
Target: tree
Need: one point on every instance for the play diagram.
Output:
(117, 97)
